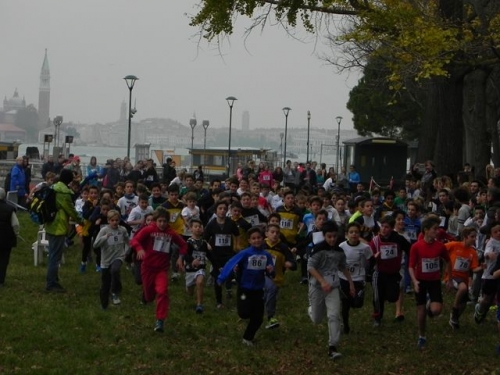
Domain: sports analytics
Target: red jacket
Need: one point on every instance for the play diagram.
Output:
(157, 245)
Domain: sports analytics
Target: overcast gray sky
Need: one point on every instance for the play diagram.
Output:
(93, 44)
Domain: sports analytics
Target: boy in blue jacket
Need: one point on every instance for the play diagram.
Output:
(252, 265)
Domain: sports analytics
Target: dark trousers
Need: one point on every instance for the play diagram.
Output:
(110, 280)
(87, 246)
(4, 262)
(251, 307)
(385, 288)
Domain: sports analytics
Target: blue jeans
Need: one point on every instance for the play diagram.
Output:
(56, 247)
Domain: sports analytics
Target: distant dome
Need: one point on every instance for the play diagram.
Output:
(14, 103)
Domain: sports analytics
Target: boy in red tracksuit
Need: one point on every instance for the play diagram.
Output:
(153, 245)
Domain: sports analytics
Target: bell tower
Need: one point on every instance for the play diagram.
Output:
(44, 95)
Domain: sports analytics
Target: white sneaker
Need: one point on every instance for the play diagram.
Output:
(115, 299)
(247, 342)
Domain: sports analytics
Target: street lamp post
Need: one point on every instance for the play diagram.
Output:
(308, 132)
(192, 123)
(205, 125)
(339, 120)
(286, 110)
(58, 120)
(230, 101)
(130, 80)
(281, 145)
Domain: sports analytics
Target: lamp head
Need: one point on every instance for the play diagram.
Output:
(130, 80)
(205, 124)
(286, 110)
(230, 101)
(192, 123)
(339, 119)
(58, 120)
(308, 115)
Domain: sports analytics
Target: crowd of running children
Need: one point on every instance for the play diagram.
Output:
(412, 240)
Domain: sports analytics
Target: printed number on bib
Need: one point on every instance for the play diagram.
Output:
(354, 269)
(411, 233)
(162, 244)
(430, 265)
(388, 251)
(254, 220)
(113, 240)
(222, 240)
(461, 264)
(257, 262)
(173, 217)
(200, 255)
(286, 224)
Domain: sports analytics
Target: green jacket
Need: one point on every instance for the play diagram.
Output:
(65, 210)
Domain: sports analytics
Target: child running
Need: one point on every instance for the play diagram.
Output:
(425, 272)
(153, 246)
(195, 262)
(324, 263)
(357, 254)
(113, 240)
(253, 264)
(464, 259)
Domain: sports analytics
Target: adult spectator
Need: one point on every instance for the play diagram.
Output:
(58, 229)
(150, 174)
(169, 172)
(249, 169)
(112, 176)
(9, 230)
(94, 168)
(278, 175)
(27, 172)
(308, 178)
(74, 166)
(289, 174)
(342, 180)
(198, 174)
(18, 181)
(59, 165)
(48, 166)
(427, 180)
(353, 177)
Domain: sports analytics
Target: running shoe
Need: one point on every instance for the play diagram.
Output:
(333, 353)
(159, 326)
(247, 342)
(115, 299)
(272, 323)
(199, 309)
(478, 317)
(421, 343)
(453, 322)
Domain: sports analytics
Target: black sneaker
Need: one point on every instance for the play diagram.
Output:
(333, 353)
(159, 326)
(453, 322)
(304, 281)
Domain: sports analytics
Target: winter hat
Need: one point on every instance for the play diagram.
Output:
(66, 176)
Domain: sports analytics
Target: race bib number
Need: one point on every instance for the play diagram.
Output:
(355, 269)
(257, 262)
(254, 220)
(162, 244)
(266, 177)
(200, 255)
(430, 265)
(114, 240)
(173, 217)
(388, 252)
(222, 240)
(317, 237)
(286, 224)
(461, 264)
(411, 233)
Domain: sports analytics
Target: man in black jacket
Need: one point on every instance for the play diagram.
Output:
(169, 172)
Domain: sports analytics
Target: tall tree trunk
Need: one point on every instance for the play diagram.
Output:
(449, 150)
(476, 135)
(493, 114)
(428, 135)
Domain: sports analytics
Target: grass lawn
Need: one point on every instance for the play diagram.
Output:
(42, 333)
